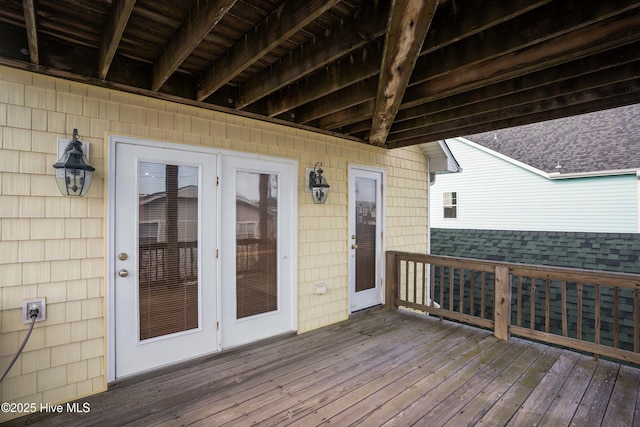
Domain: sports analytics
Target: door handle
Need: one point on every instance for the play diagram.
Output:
(354, 246)
(123, 273)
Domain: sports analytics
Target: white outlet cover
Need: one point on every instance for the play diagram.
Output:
(42, 316)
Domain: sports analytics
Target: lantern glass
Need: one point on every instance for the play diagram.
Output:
(318, 185)
(73, 171)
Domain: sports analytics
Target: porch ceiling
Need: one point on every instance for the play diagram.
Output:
(385, 73)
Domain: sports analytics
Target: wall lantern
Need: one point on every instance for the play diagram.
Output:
(318, 184)
(73, 171)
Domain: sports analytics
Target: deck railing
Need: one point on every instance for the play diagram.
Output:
(591, 311)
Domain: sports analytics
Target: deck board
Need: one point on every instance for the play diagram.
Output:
(378, 368)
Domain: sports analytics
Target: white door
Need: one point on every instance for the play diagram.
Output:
(165, 260)
(257, 254)
(365, 231)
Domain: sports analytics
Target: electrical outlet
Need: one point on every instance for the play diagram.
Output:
(29, 305)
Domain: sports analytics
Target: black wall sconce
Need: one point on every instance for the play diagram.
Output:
(318, 184)
(73, 171)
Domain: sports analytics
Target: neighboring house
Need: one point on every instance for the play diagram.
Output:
(562, 193)
(577, 174)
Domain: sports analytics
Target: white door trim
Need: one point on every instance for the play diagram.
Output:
(382, 241)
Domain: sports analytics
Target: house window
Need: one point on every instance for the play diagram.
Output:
(450, 205)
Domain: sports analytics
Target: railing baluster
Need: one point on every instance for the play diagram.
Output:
(423, 285)
(519, 303)
(441, 288)
(432, 288)
(415, 282)
(597, 326)
(472, 297)
(461, 277)
(547, 307)
(406, 281)
(636, 320)
(616, 314)
(452, 273)
(563, 303)
(579, 321)
(532, 305)
(483, 277)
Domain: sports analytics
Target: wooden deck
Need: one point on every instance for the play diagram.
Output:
(378, 368)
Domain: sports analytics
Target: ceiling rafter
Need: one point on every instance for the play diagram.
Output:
(356, 67)
(617, 79)
(195, 27)
(281, 24)
(113, 31)
(316, 64)
(409, 21)
(32, 30)
(348, 36)
(527, 91)
(556, 108)
(470, 64)
(468, 22)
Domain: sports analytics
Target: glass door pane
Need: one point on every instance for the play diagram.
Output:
(168, 284)
(256, 243)
(365, 234)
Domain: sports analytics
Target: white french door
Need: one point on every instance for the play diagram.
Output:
(258, 249)
(365, 231)
(164, 261)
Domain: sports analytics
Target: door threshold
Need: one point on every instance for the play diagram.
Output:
(366, 310)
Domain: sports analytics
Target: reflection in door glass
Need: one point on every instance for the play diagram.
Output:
(168, 249)
(365, 234)
(256, 243)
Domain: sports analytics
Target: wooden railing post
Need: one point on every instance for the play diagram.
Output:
(502, 303)
(391, 280)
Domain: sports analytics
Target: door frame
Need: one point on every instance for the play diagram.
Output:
(110, 179)
(380, 271)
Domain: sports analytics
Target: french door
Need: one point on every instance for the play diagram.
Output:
(365, 230)
(165, 266)
(257, 251)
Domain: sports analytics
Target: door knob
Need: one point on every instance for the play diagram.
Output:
(354, 246)
(123, 273)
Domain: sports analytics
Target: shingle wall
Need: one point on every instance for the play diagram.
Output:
(54, 247)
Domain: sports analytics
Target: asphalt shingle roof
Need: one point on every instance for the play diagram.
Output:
(604, 140)
(592, 251)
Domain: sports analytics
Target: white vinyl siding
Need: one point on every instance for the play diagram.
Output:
(499, 194)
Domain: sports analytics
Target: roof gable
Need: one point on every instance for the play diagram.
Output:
(603, 141)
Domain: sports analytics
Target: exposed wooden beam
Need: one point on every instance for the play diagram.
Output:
(357, 67)
(195, 27)
(281, 24)
(524, 92)
(340, 100)
(113, 30)
(457, 22)
(572, 104)
(409, 21)
(349, 36)
(466, 66)
(32, 30)
(612, 65)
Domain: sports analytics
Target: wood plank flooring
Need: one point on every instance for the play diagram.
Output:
(378, 368)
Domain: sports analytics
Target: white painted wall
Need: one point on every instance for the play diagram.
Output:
(494, 193)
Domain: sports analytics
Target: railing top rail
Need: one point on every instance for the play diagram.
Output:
(624, 280)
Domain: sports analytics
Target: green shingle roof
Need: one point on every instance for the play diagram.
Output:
(592, 251)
